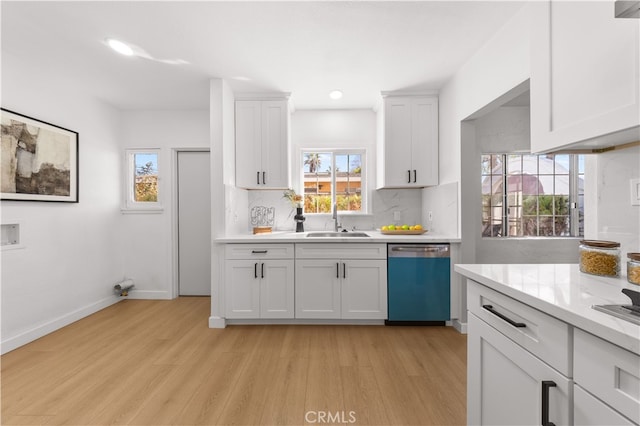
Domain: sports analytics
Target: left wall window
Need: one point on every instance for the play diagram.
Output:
(143, 177)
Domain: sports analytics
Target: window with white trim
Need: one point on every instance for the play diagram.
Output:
(333, 177)
(143, 189)
(532, 195)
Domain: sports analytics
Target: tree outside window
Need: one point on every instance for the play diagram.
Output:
(332, 177)
(532, 195)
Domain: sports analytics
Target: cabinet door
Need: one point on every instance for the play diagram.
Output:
(397, 142)
(505, 382)
(364, 289)
(276, 289)
(584, 75)
(589, 410)
(424, 141)
(317, 288)
(242, 289)
(275, 147)
(249, 144)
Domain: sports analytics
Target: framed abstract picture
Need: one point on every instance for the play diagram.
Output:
(38, 160)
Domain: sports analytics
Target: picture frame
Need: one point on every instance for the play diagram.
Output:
(39, 161)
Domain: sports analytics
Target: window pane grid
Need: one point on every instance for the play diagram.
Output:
(330, 178)
(538, 197)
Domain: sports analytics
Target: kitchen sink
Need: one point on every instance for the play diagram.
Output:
(336, 234)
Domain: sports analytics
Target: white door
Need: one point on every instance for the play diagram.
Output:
(505, 382)
(317, 288)
(194, 224)
(364, 289)
(398, 171)
(276, 289)
(275, 149)
(242, 288)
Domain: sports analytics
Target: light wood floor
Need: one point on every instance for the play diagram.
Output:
(157, 363)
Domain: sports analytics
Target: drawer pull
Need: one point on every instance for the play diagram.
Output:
(415, 176)
(546, 384)
(344, 270)
(337, 270)
(259, 251)
(258, 178)
(409, 174)
(262, 270)
(264, 178)
(503, 317)
(255, 271)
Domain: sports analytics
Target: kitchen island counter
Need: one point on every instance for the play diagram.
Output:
(564, 292)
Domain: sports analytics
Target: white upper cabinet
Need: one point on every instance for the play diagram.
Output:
(408, 142)
(585, 81)
(262, 144)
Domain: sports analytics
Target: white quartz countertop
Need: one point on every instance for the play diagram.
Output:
(564, 292)
(301, 237)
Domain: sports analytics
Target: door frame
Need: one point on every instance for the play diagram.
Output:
(175, 258)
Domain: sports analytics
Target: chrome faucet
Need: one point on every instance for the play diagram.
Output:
(336, 224)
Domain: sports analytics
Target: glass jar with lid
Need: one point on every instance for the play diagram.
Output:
(633, 268)
(600, 257)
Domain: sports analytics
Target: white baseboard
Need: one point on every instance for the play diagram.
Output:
(28, 336)
(217, 322)
(300, 321)
(460, 326)
(148, 295)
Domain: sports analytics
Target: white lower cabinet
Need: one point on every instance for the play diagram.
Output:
(589, 410)
(344, 281)
(509, 380)
(608, 378)
(507, 385)
(341, 289)
(260, 286)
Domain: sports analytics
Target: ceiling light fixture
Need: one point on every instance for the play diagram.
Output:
(120, 47)
(335, 95)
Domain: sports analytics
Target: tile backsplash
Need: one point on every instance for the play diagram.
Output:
(384, 202)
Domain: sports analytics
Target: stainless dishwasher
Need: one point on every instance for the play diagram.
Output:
(418, 280)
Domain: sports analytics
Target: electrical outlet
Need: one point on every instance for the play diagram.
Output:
(397, 216)
(430, 216)
(635, 192)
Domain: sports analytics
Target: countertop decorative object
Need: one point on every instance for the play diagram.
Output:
(262, 219)
(564, 292)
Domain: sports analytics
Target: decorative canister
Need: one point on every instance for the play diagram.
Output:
(633, 268)
(600, 257)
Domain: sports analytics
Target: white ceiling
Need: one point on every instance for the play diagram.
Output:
(306, 48)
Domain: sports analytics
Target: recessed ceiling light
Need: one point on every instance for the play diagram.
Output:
(335, 95)
(120, 47)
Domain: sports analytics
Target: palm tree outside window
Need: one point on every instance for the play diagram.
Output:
(333, 177)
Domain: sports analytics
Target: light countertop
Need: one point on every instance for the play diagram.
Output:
(301, 237)
(564, 292)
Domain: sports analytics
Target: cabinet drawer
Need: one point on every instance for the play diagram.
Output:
(608, 372)
(590, 411)
(341, 251)
(539, 333)
(259, 251)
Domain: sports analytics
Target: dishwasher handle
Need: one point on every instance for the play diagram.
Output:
(427, 250)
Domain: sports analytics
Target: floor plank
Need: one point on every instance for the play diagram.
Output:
(143, 362)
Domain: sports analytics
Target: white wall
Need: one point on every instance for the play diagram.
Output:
(336, 129)
(71, 257)
(507, 129)
(147, 241)
(223, 195)
(616, 220)
(500, 65)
